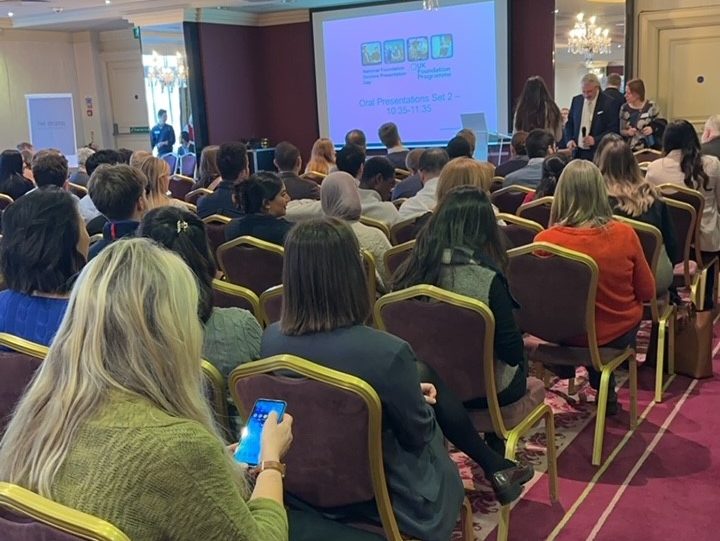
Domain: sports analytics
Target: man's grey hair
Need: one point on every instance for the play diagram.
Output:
(590, 78)
(83, 154)
(713, 124)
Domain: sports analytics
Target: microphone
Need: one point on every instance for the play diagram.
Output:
(584, 131)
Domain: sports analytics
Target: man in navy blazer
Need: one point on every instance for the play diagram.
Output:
(592, 115)
(232, 160)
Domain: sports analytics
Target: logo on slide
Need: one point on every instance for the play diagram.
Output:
(371, 53)
(394, 51)
(418, 49)
(442, 46)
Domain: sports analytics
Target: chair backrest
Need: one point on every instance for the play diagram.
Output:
(693, 198)
(399, 201)
(446, 330)
(519, 231)
(215, 230)
(227, 295)
(370, 274)
(215, 394)
(556, 290)
(187, 165)
(377, 224)
(509, 199)
(77, 190)
(271, 305)
(395, 256)
(251, 263)
(402, 174)
(25, 516)
(647, 155)
(171, 160)
(684, 220)
(5, 201)
(195, 195)
(180, 186)
(315, 176)
(336, 455)
(19, 359)
(403, 231)
(537, 211)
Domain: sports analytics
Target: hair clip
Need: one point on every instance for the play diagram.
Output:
(182, 225)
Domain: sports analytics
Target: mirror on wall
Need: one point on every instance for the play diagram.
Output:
(589, 37)
(167, 89)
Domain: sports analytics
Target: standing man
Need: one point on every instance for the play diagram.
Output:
(592, 115)
(162, 135)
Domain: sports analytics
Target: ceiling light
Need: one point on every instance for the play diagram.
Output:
(107, 2)
(10, 14)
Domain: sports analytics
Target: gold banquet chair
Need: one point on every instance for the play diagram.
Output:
(556, 290)
(214, 383)
(377, 224)
(271, 305)
(251, 263)
(454, 335)
(537, 211)
(355, 420)
(509, 199)
(26, 515)
(396, 255)
(519, 231)
(227, 295)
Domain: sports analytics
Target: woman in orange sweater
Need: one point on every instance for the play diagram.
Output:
(583, 221)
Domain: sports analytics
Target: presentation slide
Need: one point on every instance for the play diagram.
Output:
(421, 69)
(51, 122)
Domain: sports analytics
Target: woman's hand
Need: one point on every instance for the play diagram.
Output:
(632, 131)
(647, 130)
(429, 393)
(276, 437)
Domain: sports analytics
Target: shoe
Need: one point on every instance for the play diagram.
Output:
(508, 483)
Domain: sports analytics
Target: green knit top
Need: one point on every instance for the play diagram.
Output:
(157, 477)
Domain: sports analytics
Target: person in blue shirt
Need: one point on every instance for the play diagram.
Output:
(162, 135)
(44, 246)
(232, 162)
(120, 194)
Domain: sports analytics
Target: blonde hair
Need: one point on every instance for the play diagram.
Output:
(138, 157)
(464, 171)
(131, 326)
(321, 156)
(580, 197)
(157, 172)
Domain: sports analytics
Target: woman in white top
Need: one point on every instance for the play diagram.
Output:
(340, 198)
(685, 165)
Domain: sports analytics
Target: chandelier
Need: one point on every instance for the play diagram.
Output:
(430, 5)
(588, 39)
(166, 74)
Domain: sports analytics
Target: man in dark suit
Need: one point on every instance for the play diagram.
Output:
(232, 160)
(711, 137)
(592, 116)
(288, 163)
(612, 88)
(390, 137)
(162, 135)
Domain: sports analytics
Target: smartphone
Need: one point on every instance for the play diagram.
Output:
(248, 450)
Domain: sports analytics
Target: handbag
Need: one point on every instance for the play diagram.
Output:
(693, 341)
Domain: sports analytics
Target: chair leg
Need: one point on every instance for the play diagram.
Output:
(466, 517)
(632, 362)
(503, 524)
(660, 363)
(671, 343)
(601, 402)
(551, 454)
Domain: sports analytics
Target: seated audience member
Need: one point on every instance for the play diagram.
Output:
(390, 137)
(27, 156)
(459, 147)
(94, 220)
(50, 168)
(12, 181)
(324, 315)
(685, 165)
(25, 147)
(208, 173)
(289, 162)
(539, 143)
(44, 246)
(470, 137)
(341, 199)
(637, 117)
(119, 192)
(431, 165)
(81, 177)
(262, 201)
(125, 155)
(376, 184)
(138, 157)
(356, 137)
(632, 196)
(232, 161)
(461, 250)
(518, 155)
(322, 157)
(131, 421)
(411, 185)
(711, 137)
(583, 221)
(351, 160)
(157, 172)
(186, 145)
(232, 335)
(552, 168)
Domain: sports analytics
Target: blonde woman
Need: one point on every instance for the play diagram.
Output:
(157, 172)
(583, 221)
(634, 197)
(138, 157)
(322, 157)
